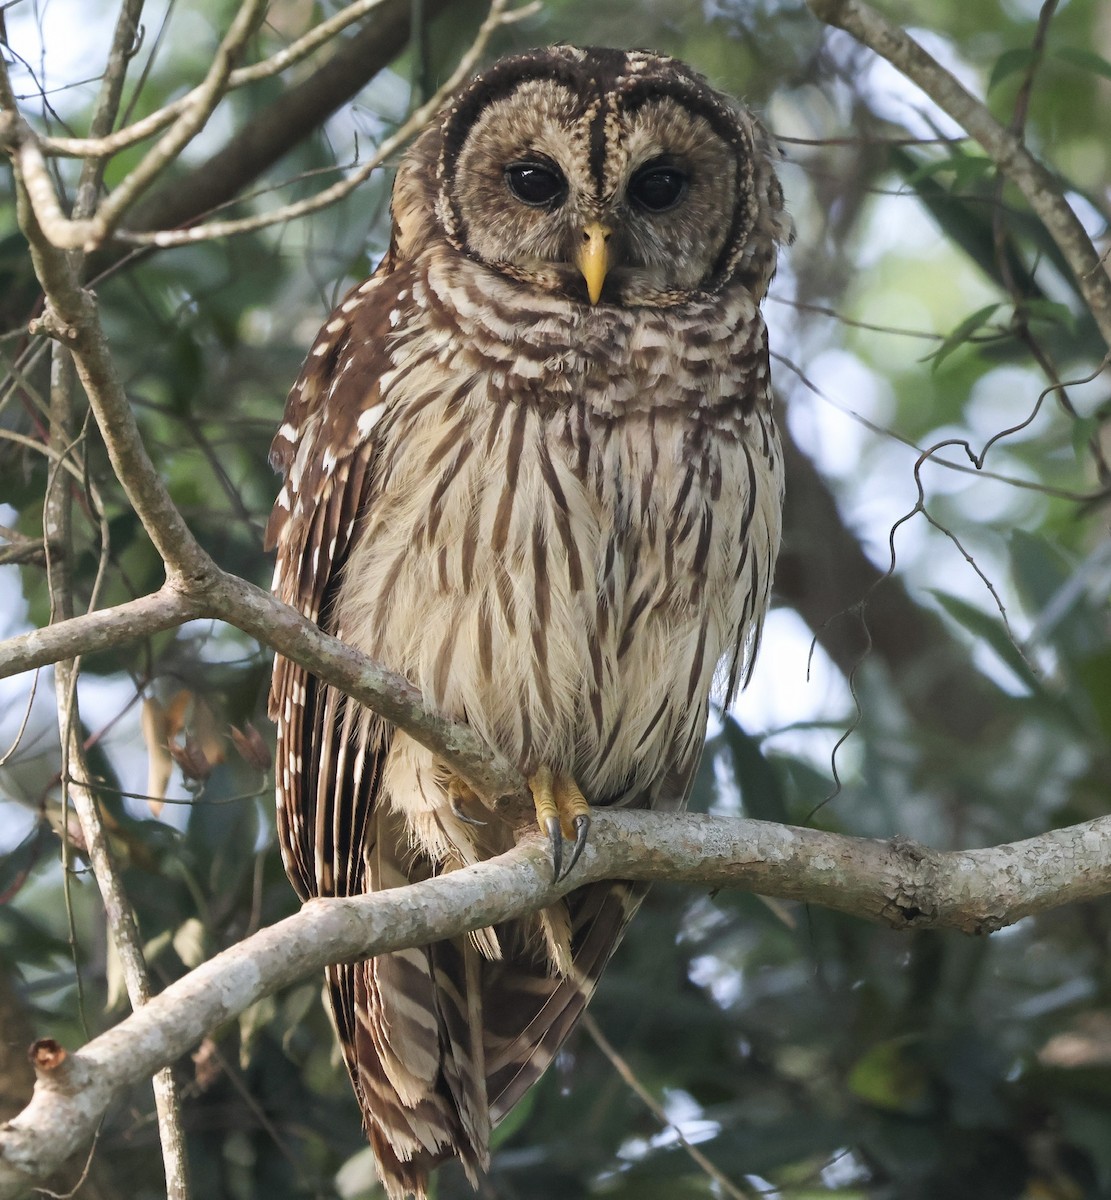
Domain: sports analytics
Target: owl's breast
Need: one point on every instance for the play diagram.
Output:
(563, 557)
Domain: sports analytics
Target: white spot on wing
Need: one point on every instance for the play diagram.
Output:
(368, 419)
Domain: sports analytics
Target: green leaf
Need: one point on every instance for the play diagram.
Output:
(761, 793)
(1094, 675)
(969, 169)
(990, 631)
(1086, 60)
(892, 1077)
(1051, 311)
(1039, 568)
(961, 334)
(1010, 62)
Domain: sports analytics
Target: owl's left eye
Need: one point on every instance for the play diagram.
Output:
(540, 184)
(657, 187)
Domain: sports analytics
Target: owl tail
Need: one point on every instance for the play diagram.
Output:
(410, 1028)
(441, 1042)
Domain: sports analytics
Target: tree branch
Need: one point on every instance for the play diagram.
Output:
(332, 195)
(88, 233)
(898, 883)
(104, 145)
(271, 134)
(1001, 144)
(95, 631)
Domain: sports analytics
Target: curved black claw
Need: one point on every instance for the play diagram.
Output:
(457, 808)
(582, 829)
(555, 840)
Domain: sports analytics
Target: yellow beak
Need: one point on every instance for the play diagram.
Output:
(594, 258)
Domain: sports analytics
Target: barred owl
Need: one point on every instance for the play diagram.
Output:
(531, 465)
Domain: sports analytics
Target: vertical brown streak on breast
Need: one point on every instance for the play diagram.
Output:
(542, 615)
(485, 640)
(698, 664)
(469, 549)
(678, 509)
(657, 716)
(454, 434)
(526, 726)
(443, 664)
(385, 599)
(435, 504)
(750, 609)
(596, 669)
(648, 478)
(602, 614)
(497, 415)
(634, 615)
(715, 478)
(750, 499)
(505, 597)
(702, 546)
(611, 741)
(604, 433)
(562, 518)
(512, 468)
(765, 421)
(582, 442)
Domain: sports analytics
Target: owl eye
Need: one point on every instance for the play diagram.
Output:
(540, 184)
(657, 188)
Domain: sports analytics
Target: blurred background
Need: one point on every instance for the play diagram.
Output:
(937, 664)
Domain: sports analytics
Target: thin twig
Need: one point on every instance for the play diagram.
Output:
(621, 1066)
(88, 233)
(496, 17)
(1042, 191)
(105, 146)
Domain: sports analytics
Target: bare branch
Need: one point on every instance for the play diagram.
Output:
(901, 884)
(130, 622)
(88, 233)
(297, 113)
(105, 146)
(496, 17)
(1010, 155)
(122, 926)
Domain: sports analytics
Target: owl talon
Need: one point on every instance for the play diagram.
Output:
(555, 840)
(459, 791)
(560, 807)
(457, 809)
(582, 830)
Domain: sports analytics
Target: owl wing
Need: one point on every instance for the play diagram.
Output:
(326, 448)
(406, 1021)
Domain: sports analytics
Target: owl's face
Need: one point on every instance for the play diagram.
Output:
(606, 176)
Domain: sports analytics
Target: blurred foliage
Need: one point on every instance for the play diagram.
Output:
(806, 1053)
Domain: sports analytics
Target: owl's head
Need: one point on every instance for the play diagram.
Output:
(606, 176)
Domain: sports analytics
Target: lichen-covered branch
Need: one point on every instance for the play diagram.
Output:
(902, 884)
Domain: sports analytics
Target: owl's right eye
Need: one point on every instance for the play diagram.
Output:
(539, 184)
